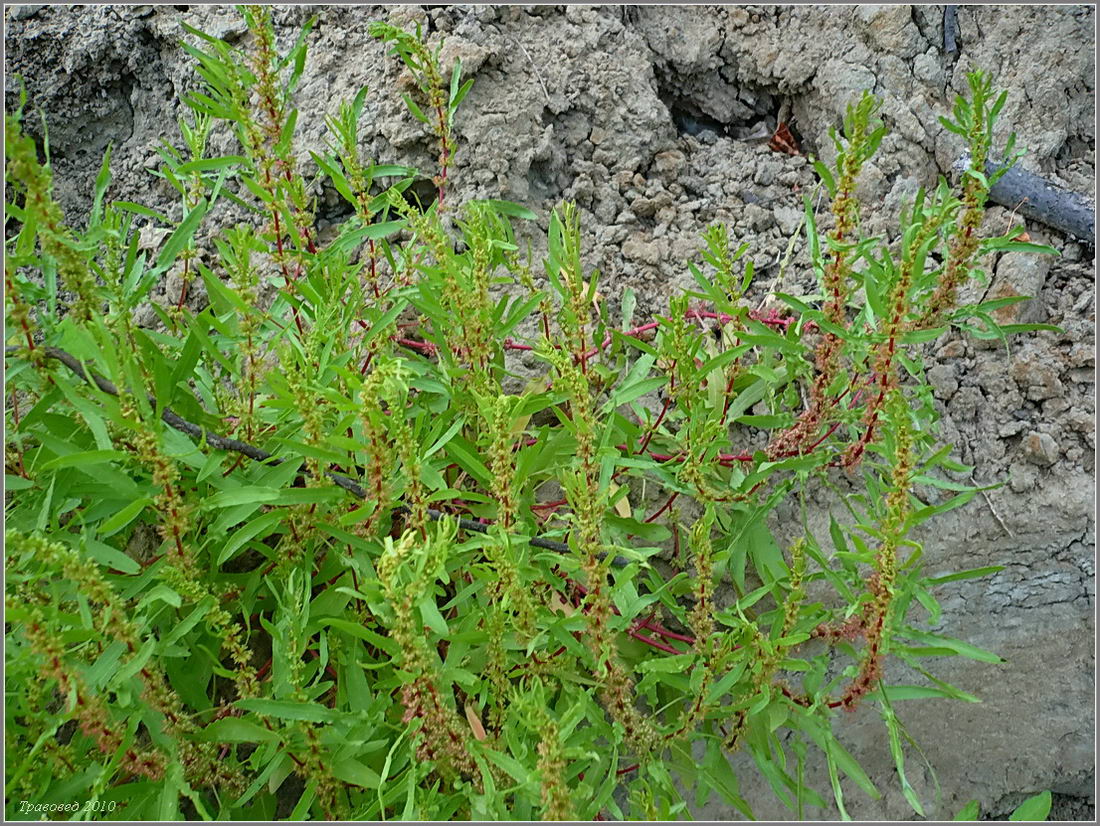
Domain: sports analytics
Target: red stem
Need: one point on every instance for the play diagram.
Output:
(183, 289)
(660, 631)
(660, 418)
(635, 332)
(663, 507)
(15, 422)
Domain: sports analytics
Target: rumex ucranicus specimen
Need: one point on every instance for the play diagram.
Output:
(441, 537)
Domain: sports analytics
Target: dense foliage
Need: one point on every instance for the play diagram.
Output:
(331, 548)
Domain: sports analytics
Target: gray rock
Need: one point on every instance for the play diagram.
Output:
(788, 218)
(943, 381)
(668, 164)
(891, 28)
(26, 11)
(1036, 377)
(758, 217)
(927, 68)
(765, 173)
(966, 403)
(1020, 273)
(1040, 449)
(648, 252)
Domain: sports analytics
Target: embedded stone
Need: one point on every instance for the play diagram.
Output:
(1020, 274)
(648, 252)
(669, 163)
(1040, 449)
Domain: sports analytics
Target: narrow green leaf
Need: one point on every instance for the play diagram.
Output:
(308, 496)
(958, 646)
(1035, 808)
(131, 667)
(508, 207)
(237, 730)
(456, 76)
(460, 452)
(83, 459)
(352, 771)
(973, 573)
(415, 109)
(105, 665)
(192, 619)
(141, 210)
(260, 526)
(767, 421)
(899, 762)
(951, 126)
(248, 495)
(365, 634)
(625, 395)
(921, 692)
(168, 805)
(826, 176)
(429, 611)
(102, 181)
(289, 710)
(123, 518)
(389, 170)
(971, 811)
(1020, 246)
(456, 101)
(838, 792)
(211, 164)
(110, 557)
(12, 482)
(182, 235)
(446, 437)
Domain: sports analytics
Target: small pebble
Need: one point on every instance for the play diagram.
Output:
(1040, 449)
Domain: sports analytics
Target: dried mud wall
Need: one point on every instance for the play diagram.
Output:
(655, 120)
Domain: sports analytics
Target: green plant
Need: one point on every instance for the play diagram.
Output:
(1036, 808)
(385, 563)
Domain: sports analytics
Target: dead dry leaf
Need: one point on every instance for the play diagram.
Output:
(475, 722)
(622, 507)
(784, 141)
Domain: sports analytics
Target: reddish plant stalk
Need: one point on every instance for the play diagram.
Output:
(649, 434)
(647, 624)
(186, 281)
(582, 357)
(664, 507)
(15, 422)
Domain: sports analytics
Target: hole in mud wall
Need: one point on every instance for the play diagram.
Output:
(333, 209)
(548, 174)
(40, 149)
(542, 178)
(335, 214)
(1074, 148)
(690, 121)
(706, 103)
(107, 117)
(421, 193)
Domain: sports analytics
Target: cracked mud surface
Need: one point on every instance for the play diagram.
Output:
(655, 120)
